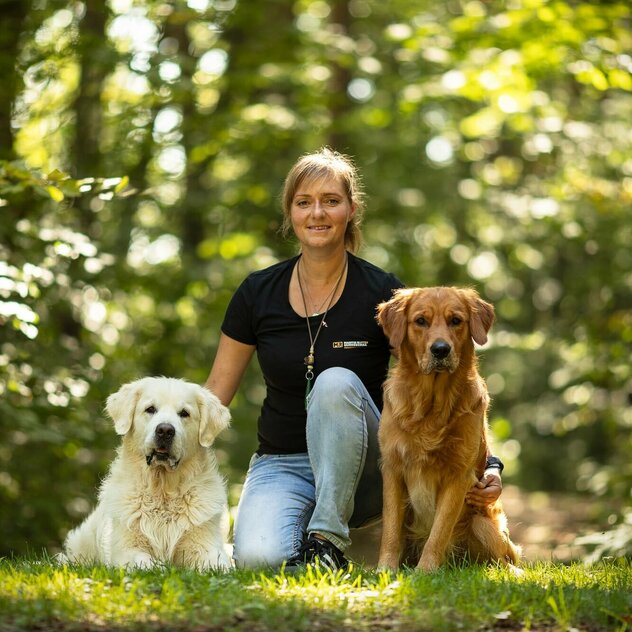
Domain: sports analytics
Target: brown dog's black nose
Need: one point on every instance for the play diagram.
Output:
(165, 433)
(440, 349)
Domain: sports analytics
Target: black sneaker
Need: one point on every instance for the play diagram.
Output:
(317, 551)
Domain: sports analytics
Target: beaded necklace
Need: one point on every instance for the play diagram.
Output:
(310, 357)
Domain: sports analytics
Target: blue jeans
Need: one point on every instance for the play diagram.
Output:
(336, 485)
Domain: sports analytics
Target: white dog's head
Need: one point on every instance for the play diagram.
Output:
(167, 419)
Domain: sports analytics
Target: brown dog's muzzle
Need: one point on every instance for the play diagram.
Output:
(440, 349)
(441, 357)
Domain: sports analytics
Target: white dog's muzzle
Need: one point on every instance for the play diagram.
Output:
(163, 444)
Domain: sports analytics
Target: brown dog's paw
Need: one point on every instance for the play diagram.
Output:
(429, 562)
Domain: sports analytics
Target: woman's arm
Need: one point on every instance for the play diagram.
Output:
(231, 360)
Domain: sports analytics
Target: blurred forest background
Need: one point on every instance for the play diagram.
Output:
(143, 145)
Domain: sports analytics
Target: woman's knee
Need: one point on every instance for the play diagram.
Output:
(259, 552)
(336, 419)
(260, 542)
(273, 511)
(335, 385)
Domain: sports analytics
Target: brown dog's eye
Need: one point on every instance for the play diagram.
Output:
(184, 413)
(421, 321)
(456, 321)
(150, 410)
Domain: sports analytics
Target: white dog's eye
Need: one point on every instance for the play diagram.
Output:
(184, 413)
(150, 410)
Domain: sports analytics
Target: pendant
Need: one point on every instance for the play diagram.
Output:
(308, 390)
(309, 360)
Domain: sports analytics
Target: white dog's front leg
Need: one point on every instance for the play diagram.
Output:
(202, 547)
(214, 559)
(133, 558)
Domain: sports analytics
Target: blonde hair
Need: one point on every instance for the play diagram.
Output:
(326, 163)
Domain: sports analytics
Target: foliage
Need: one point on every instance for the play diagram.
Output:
(494, 141)
(40, 594)
(611, 543)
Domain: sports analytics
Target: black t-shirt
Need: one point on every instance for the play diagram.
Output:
(260, 314)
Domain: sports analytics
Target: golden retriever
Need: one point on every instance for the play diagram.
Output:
(163, 500)
(433, 433)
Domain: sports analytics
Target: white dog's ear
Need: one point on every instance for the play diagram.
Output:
(214, 417)
(121, 406)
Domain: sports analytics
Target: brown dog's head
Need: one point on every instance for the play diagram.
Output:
(434, 326)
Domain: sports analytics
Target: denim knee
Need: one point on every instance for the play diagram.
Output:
(252, 554)
(334, 386)
(335, 413)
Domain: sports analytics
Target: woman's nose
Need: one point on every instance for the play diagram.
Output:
(317, 208)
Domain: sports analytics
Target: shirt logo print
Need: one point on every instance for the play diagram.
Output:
(350, 344)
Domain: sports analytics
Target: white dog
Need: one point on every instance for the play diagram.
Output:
(163, 499)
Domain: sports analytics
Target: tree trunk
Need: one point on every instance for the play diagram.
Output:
(96, 60)
(14, 13)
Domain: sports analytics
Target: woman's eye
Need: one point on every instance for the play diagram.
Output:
(150, 410)
(302, 204)
(331, 202)
(184, 413)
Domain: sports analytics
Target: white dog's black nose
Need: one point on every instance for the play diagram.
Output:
(164, 434)
(440, 349)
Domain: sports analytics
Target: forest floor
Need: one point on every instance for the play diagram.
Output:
(546, 525)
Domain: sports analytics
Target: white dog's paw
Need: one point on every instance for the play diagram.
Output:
(60, 558)
(137, 560)
(142, 560)
(215, 560)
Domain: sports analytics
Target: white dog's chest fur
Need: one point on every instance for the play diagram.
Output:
(164, 523)
(155, 518)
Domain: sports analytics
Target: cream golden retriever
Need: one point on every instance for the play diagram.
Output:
(433, 432)
(163, 500)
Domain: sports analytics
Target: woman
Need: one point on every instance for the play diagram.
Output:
(311, 320)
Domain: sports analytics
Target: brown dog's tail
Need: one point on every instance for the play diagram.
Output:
(493, 539)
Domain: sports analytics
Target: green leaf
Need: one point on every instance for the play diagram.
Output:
(55, 193)
(56, 175)
(122, 184)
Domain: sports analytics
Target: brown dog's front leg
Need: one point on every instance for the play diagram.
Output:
(449, 505)
(392, 519)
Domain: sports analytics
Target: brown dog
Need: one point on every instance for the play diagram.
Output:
(433, 432)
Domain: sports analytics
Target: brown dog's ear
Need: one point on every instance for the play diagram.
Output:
(214, 416)
(121, 405)
(391, 316)
(481, 317)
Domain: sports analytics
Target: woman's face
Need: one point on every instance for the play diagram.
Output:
(320, 213)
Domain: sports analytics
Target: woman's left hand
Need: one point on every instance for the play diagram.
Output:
(485, 491)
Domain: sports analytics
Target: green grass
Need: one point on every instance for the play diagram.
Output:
(39, 595)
